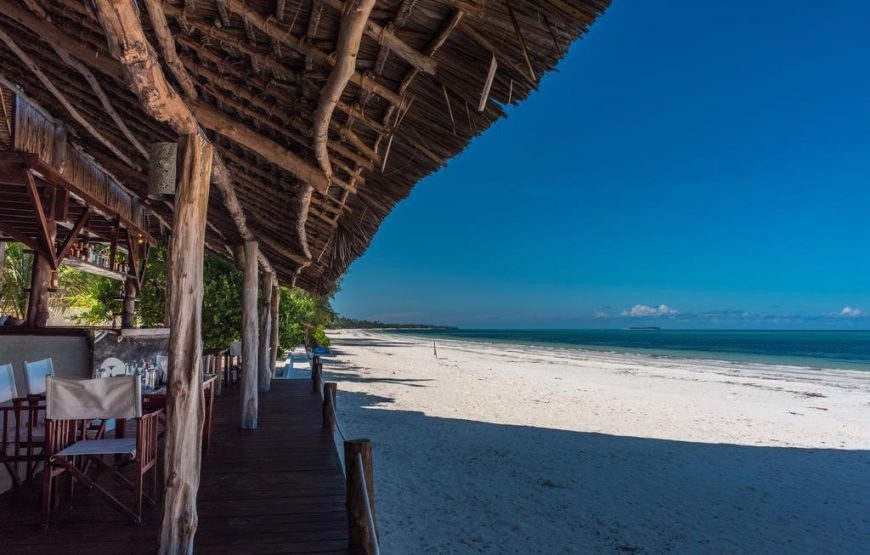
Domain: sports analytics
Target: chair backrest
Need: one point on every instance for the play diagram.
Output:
(68, 399)
(7, 383)
(35, 373)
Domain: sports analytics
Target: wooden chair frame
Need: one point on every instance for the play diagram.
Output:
(22, 447)
(63, 433)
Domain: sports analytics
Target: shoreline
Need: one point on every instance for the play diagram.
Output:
(493, 448)
(693, 355)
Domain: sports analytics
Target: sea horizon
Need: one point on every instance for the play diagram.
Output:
(819, 349)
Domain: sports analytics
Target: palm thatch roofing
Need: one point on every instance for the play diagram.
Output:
(430, 75)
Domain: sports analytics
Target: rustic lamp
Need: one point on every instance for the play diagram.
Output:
(161, 169)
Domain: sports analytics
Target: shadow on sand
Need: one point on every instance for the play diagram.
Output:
(457, 486)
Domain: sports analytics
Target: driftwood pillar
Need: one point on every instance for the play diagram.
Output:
(40, 278)
(249, 337)
(265, 366)
(358, 451)
(129, 307)
(273, 340)
(185, 403)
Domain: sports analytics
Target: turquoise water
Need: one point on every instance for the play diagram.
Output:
(817, 349)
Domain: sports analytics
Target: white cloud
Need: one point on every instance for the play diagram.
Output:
(849, 312)
(600, 315)
(646, 311)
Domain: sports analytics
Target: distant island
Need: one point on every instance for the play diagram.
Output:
(342, 322)
(644, 328)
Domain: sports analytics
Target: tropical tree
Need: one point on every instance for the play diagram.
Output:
(17, 266)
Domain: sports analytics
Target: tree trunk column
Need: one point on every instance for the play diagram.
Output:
(129, 308)
(273, 343)
(265, 371)
(185, 402)
(40, 278)
(249, 337)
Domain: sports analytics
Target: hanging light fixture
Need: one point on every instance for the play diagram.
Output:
(161, 169)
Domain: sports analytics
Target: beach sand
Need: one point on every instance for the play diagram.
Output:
(516, 449)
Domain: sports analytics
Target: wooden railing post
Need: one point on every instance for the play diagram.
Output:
(358, 520)
(329, 391)
(317, 376)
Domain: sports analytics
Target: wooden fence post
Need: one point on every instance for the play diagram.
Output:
(316, 376)
(329, 391)
(358, 520)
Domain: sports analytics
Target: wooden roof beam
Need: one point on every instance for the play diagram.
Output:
(274, 30)
(62, 99)
(128, 45)
(225, 125)
(386, 37)
(167, 47)
(353, 22)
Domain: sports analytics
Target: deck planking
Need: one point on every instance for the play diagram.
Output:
(277, 489)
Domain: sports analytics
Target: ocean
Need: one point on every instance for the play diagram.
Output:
(815, 349)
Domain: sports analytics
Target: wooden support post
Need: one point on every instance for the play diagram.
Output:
(273, 340)
(219, 369)
(358, 520)
(317, 376)
(265, 367)
(184, 402)
(249, 338)
(40, 276)
(329, 393)
(129, 308)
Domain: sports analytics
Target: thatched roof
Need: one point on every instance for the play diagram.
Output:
(253, 73)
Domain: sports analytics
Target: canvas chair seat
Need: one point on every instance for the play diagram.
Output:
(123, 446)
(73, 408)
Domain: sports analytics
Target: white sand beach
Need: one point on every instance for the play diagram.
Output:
(516, 449)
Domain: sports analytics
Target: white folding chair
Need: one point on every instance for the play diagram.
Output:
(8, 391)
(70, 406)
(35, 373)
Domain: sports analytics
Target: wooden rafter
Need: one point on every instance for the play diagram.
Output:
(280, 32)
(73, 234)
(388, 38)
(353, 21)
(167, 47)
(62, 99)
(43, 234)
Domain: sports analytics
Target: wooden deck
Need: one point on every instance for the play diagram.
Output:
(277, 489)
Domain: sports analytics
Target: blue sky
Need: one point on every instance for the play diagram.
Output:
(691, 164)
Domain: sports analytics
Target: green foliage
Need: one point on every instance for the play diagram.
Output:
(221, 302)
(91, 300)
(87, 299)
(319, 336)
(16, 269)
(150, 310)
(303, 318)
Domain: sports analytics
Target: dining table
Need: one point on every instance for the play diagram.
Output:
(155, 399)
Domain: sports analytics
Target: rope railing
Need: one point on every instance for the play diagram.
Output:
(363, 530)
(373, 531)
